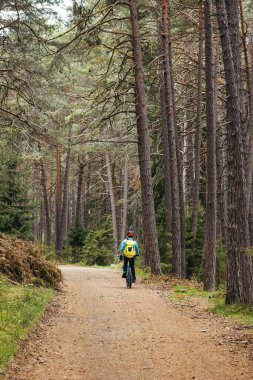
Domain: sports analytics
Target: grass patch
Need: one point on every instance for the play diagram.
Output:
(20, 308)
(242, 314)
(182, 292)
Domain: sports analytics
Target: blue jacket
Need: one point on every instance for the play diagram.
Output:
(123, 245)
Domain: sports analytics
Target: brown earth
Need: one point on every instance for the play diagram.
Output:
(98, 329)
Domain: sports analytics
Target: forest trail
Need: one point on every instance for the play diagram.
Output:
(98, 329)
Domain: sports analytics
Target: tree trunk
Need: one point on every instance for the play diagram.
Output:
(177, 262)
(79, 192)
(249, 72)
(116, 200)
(113, 208)
(58, 204)
(151, 250)
(239, 272)
(46, 203)
(37, 193)
(211, 206)
(125, 198)
(165, 135)
(188, 158)
(64, 209)
(198, 136)
(86, 195)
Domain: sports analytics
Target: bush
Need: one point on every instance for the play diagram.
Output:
(221, 263)
(25, 262)
(76, 241)
(194, 257)
(98, 246)
(166, 268)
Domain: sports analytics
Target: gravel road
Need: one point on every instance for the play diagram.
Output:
(100, 330)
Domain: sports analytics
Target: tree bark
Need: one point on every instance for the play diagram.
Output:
(113, 208)
(198, 136)
(116, 200)
(86, 195)
(125, 199)
(249, 73)
(64, 209)
(37, 192)
(211, 206)
(165, 135)
(58, 204)
(46, 203)
(151, 250)
(239, 271)
(177, 261)
(79, 192)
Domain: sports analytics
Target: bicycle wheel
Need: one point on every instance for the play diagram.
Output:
(129, 278)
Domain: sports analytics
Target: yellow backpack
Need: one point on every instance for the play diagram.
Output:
(129, 251)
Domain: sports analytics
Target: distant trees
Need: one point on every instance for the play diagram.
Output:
(16, 204)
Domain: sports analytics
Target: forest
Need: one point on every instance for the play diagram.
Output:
(119, 115)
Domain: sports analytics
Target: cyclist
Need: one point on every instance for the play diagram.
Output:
(129, 249)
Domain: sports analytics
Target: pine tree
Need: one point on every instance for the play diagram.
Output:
(16, 209)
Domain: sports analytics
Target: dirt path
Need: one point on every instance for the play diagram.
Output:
(101, 330)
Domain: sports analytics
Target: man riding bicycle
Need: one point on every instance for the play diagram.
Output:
(129, 250)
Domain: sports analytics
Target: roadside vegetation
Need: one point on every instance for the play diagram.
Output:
(190, 293)
(27, 283)
(20, 308)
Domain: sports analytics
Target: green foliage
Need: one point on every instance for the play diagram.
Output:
(98, 245)
(194, 257)
(76, 236)
(164, 236)
(76, 241)
(16, 209)
(240, 313)
(166, 268)
(221, 262)
(20, 308)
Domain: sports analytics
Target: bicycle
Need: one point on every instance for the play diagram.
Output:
(129, 277)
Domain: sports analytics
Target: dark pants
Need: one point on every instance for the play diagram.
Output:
(131, 263)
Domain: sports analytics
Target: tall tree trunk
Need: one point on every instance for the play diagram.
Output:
(177, 262)
(198, 136)
(249, 72)
(58, 204)
(239, 272)
(113, 208)
(250, 135)
(188, 158)
(73, 203)
(165, 135)
(46, 203)
(211, 207)
(36, 229)
(151, 250)
(64, 209)
(125, 198)
(79, 192)
(116, 200)
(86, 195)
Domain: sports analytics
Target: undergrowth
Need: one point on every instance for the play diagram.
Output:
(242, 314)
(25, 262)
(20, 308)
